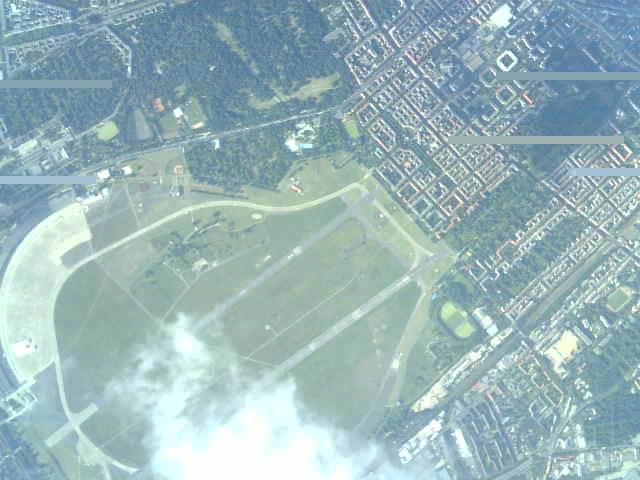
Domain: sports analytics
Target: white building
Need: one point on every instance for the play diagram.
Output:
(463, 447)
(502, 17)
(103, 174)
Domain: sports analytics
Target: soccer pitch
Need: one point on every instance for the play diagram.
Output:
(457, 320)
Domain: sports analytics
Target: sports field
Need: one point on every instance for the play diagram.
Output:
(109, 306)
(107, 131)
(314, 88)
(457, 319)
(352, 127)
(619, 299)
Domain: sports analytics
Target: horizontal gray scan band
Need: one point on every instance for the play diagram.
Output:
(535, 140)
(611, 76)
(604, 172)
(47, 180)
(56, 83)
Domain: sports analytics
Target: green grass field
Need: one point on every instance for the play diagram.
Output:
(107, 131)
(340, 381)
(352, 128)
(318, 176)
(102, 318)
(158, 163)
(112, 219)
(67, 457)
(457, 320)
(619, 299)
(314, 88)
(344, 277)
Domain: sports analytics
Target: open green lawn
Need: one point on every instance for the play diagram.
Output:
(318, 176)
(314, 88)
(156, 288)
(169, 125)
(619, 299)
(457, 319)
(112, 219)
(66, 455)
(352, 128)
(158, 163)
(298, 307)
(102, 319)
(340, 381)
(98, 329)
(107, 131)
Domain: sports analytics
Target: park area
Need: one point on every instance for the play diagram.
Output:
(284, 278)
(107, 131)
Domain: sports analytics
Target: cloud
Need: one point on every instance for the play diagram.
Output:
(208, 422)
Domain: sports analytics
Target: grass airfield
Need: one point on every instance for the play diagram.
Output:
(111, 304)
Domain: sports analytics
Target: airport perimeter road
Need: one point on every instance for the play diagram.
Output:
(342, 325)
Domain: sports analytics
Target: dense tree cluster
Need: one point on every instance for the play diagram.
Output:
(618, 420)
(245, 63)
(331, 135)
(607, 373)
(94, 59)
(227, 54)
(505, 211)
(283, 37)
(244, 52)
(260, 159)
(543, 254)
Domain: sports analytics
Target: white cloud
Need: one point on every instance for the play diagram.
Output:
(186, 388)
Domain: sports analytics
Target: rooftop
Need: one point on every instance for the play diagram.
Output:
(502, 17)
